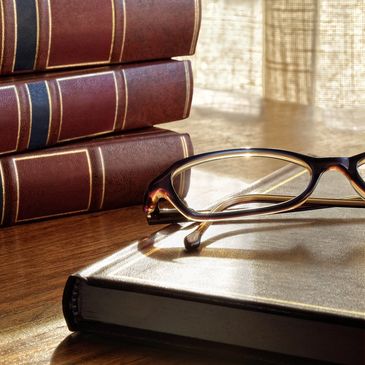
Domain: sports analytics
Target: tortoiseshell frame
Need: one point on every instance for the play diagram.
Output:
(162, 188)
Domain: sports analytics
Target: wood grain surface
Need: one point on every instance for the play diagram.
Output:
(36, 259)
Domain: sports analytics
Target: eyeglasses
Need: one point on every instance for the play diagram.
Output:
(222, 186)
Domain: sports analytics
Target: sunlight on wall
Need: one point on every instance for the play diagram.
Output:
(308, 52)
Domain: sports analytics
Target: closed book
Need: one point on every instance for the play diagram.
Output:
(43, 110)
(289, 283)
(100, 174)
(40, 35)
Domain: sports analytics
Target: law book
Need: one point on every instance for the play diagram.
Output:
(290, 284)
(44, 110)
(100, 174)
(39, 35)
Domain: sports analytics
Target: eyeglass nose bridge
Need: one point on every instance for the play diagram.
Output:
(340, 164)
(344, 165)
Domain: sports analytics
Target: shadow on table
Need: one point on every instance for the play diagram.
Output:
(86, 348)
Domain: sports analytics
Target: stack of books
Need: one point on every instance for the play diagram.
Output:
(83, 82)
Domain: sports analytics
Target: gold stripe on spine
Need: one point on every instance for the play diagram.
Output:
(196, 26)
(17, 190)
(37, 45)
(61, 110)
(3, 193)
(58, 82)
(113, 32)
(77, 64)
(19, 116)
(91, 178)
(124, 31)
(50, 111)
(188, 88)
(2, 34)
(103, 172)
(126, 99)
(45, 156)
(15, 34)
(182, 175)
(49, 31)
(30, 114)
(116, 101)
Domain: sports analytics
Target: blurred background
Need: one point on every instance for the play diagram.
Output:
(308, 52)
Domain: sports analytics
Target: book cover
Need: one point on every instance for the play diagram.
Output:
(288, 283)
(100, 174)
(43, 110)
(39, 35)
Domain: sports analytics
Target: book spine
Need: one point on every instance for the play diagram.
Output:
(51, 34)
(91, 176)
(50, 110)
(70, 302)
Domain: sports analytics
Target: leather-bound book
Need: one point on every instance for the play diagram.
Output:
(44, 110)
(290, 284)
(40, 35)
(100, 174)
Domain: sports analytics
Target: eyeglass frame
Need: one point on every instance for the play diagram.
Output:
(162, 187)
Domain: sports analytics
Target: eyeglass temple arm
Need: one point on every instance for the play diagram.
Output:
(193, 239)
(172, 215)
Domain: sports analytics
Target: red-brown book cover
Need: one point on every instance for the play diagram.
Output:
(38, 35)
(100, 174)
(44, 110)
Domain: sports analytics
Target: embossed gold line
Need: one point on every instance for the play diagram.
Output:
(86, 75)
(196, 26)
(50, 112)
(91, 178)
(182, 174)
(99, 134)
(19, 117)
(85, 135)
(2, 35)
(61, 110)
(188, 88)
(15, 34)
(102, 62)
(3, 193)
(113, 31)
(186, 149)
(103, 172)
(284, 182)
(49, 32)
(30, 114)
(52, 154)
(126, 99)
(17, 189)
(116, 101)
(124, 30)
(37, 45)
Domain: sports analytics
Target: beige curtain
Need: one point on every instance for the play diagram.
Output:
(308, 52)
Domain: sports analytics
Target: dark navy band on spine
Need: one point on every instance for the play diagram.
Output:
(26, 47)
(40, 114)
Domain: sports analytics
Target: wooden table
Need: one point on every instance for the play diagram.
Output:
(35, 259)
